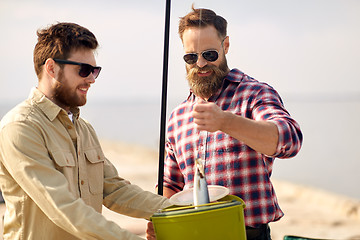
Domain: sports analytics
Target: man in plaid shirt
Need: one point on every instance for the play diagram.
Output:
(235, 124)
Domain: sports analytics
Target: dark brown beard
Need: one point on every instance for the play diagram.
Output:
(205, 87)
(64, 96)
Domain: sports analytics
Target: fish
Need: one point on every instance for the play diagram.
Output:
(200, 190)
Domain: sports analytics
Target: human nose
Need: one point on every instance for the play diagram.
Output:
(201, 62)
(90, 79)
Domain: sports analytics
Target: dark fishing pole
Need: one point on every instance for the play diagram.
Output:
(164, 100)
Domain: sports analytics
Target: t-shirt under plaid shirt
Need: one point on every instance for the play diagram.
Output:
(229, 162)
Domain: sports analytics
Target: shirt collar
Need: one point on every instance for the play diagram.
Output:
(50, 109)
(235, 75)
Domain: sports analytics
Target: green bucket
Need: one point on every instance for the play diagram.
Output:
(214, 221)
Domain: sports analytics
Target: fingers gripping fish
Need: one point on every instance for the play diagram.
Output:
(201, 193)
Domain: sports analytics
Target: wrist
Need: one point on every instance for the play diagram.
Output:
(226, 122)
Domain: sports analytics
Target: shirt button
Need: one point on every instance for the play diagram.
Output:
(98, 157)
(69, 127)
(82, 182)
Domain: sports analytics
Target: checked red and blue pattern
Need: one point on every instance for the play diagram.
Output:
(229, 162)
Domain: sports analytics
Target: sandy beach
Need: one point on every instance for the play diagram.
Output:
(309, 212)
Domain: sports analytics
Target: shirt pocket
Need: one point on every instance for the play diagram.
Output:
(63, 159)
(65, 163)
(95, 168)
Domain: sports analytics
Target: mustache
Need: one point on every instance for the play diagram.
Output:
(196, 69)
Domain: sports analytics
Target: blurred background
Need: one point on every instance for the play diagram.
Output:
(308, 50)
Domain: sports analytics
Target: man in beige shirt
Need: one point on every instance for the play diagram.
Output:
(53, 173)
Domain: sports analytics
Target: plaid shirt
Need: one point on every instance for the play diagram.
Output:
(229, 162)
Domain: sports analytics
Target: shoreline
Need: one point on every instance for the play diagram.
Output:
(309, 212)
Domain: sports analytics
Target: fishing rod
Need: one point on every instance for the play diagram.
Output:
(164, 100)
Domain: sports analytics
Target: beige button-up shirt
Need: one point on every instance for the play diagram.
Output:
(55, 177)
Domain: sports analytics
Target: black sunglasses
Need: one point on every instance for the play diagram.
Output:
(85, 69)
(208, 55)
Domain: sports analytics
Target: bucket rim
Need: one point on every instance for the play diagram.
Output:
(178, 210)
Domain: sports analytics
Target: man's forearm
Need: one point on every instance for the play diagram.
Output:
(262, 136)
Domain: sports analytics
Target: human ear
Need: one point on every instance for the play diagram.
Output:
(49, 67)
(226, 44)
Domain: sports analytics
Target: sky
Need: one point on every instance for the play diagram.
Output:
(301, 47)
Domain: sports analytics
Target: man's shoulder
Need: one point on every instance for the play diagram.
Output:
(19, 113)
(246, 80)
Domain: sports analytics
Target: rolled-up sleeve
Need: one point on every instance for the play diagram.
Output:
(268, 106)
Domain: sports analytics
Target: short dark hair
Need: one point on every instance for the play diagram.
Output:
(59, 40)
(200, 18)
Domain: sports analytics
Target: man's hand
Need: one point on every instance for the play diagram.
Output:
(150, 232)
(208, 116)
